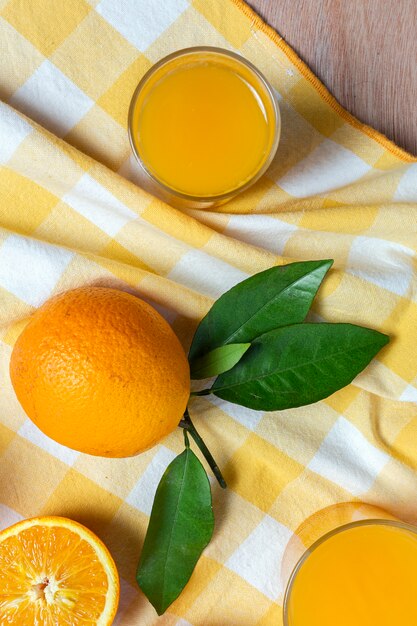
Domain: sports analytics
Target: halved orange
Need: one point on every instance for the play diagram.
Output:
(56, 572)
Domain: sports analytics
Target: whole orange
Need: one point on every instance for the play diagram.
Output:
(101, 371)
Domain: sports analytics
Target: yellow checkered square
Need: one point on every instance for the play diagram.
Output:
(273, 617)
(227, 20)
(12, 414)
(31, 475)
(343, 398)
(310, 105)
(344, 303)
(259, 200)
(403, 321)
(99, 136)
(11, 311)
(65, 173)
(45, 23)
(24, 211)
(398, 220)
(78, 231)
(94, 55)
(176, 225)
(190, 29)
(96, 509)
(403, 443)
(225, 434)
(241, 604)
(340, 220)
(353, 139)
(6, 436)
(124, 535)
(258, 463)
(313, 492)
(15, 328)
(293, 125)
(381, 421)
(319, 246)
(13, 76)
(395, 485)
(205, 571)
(116, 99)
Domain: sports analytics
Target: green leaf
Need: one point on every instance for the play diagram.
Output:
(180, 527)
(218, 360)
(298, 365)
(279, 296)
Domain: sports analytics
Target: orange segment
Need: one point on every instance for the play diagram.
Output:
(55, 572)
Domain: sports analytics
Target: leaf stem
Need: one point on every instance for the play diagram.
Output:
(189, 427)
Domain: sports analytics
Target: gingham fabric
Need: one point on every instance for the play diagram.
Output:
(71, 214)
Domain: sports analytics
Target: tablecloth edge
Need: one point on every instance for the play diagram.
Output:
(303, 68)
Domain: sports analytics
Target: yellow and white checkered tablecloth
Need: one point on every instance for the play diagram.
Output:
(71, 214)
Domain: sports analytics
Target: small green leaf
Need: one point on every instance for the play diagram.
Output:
(279, 296)
(297, 365)
(180, 527)
(218, 360)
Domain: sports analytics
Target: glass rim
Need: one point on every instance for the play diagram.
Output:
(275, 107)
(326, 537)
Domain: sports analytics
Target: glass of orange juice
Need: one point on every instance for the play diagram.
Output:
(204, 125)
(361, 574)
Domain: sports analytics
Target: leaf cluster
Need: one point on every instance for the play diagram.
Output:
(265, 356)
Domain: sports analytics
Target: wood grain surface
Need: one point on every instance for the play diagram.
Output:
(364, 51)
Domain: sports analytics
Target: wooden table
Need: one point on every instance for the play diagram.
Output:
(364, 51)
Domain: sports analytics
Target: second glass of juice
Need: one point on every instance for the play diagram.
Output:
(361, 574)
(204, 125)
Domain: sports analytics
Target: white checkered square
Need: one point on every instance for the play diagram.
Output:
(258, 559)
(346, 458)
(407, 188)
(30, 269)
(384, 263)
(409, 394)
(143, 493)
(247, 417)
(99, 206)
(131, 170)
(52, 99)
(127, 595)
(32, 433)
(13, 130)
(260, 230)
(8, 517)
(141, 21)
(328, 167)
(206, 274)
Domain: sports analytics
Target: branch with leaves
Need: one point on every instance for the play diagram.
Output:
(255, 341)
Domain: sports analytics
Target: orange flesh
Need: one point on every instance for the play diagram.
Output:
(50, 575)
(364, 576)
(203, 127)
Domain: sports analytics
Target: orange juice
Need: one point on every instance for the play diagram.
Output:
(203, 123)
(365, 575)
